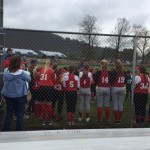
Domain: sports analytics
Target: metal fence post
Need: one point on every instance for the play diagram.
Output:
(133, 81)
(2, 43)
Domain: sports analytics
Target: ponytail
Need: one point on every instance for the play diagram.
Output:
(47, 66)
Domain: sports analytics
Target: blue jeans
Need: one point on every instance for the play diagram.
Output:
(16, 105)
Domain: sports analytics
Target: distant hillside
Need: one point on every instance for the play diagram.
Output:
(38, 40)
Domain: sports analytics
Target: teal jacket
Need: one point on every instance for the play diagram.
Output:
(15, 83)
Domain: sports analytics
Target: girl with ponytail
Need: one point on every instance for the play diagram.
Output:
(142, 84)
(47, 78)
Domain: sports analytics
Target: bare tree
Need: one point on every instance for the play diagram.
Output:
(143, 43)
(88, 25)
(122, 27)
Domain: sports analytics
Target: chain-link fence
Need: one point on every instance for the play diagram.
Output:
(92, 84)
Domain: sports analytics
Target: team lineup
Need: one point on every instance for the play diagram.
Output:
(83, 84)
(50, 85)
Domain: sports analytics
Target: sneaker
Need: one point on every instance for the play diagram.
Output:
(80, 119)
(50, 123)
(88, 119)
(43, 124)
(117, 122)
(26, 116)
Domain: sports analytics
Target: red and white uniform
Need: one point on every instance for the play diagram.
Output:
(48, 78)
(71, 82)
(103, 80)
(120, 80)
(103, 94)
(142, 84)
(85, 82)
(58, 85)
(118, 95)
(84, 91)
(35, 83)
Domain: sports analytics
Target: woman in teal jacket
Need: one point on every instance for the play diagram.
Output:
(15, 92)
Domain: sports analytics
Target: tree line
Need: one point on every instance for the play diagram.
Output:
(114, 46)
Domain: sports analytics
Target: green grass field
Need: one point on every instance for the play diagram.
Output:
(127, 120)
(36, 124)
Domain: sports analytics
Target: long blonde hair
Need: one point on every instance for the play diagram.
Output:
(104, 64)
(118, 65)
(47, 65)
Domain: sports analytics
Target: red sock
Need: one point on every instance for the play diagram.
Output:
(99, 113)
(50, 112)
(69, 117)
(44, 111)
(72, 117)
(107, 113)
(116, 115)
(37, 110)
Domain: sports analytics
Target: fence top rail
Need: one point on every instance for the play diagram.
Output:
(79, 33)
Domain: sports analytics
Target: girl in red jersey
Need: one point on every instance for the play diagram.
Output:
(35, 92)
(71, 84)
(102, 80)
(47, 78)
(118, 81)
(142, 83)
(85, 78)
(148, 118)
(31, 69)
(59, 92)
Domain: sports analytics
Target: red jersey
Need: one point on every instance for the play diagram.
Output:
(85, 81)
(35, 83)
(142, 87)
(58, 85)
(48, 78)
(6, 63)
(103, 80)
(120, 80)
(71, 83)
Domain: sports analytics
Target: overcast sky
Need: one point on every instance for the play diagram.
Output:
(64, 15)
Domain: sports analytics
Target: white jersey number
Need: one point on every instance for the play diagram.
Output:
(121, 79)
(36, 84)
(58, 87)
(43, 77)
(71, 84)
(104, 80)
(144, 86)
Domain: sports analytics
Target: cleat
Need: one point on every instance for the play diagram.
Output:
(88, 119)
(80, 119)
